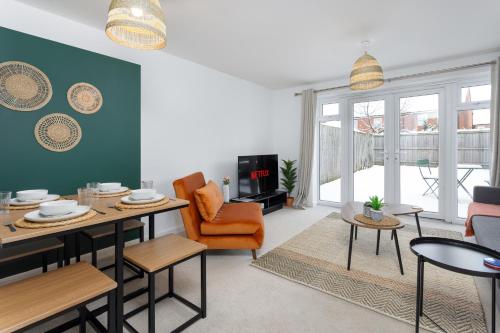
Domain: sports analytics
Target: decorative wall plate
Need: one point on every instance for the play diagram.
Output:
(23, 87)
(84, 98)
(58, 132)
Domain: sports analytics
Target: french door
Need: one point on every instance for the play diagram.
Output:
(385, 145)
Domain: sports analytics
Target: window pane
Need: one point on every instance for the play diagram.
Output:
(331, 109)
(473, 154)
(330, 157)
(419, 151)
(368, 136)
(476, 93)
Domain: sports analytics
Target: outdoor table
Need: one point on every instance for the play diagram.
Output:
(111, 216)
(469, 169)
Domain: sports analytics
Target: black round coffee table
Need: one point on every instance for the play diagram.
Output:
(457, 256)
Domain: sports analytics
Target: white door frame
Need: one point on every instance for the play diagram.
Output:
(444, 161)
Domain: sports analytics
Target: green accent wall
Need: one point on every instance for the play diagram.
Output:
(110, 146)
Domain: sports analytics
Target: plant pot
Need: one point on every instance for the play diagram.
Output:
(289, 201)
(376, 215)
(225, 191)
(367, 210)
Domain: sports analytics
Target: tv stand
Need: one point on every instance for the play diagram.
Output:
(270, 202)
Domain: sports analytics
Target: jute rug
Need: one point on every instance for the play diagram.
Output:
(317, 258)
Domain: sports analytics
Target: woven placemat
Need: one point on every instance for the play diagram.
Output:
(12, 207)
(387, 221)
(22, 223)
(121, 205)
(111, 195)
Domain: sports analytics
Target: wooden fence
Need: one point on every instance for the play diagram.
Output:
(330, 149)
(473, 148)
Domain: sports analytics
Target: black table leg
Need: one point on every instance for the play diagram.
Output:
(356, 232)
(204, 284)
(67, 254)
(419, 293)
(378, 241)
(151, 226)
(422, 270)
(398, 251)
(350, 248)
(493, 304)
(418, 225)
(119, 243)
(111, 311)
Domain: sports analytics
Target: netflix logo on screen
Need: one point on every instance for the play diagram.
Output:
(254, 175)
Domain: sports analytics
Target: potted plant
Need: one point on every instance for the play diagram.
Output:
(289, 179)
(367, 207)
(376, 210)
(225, 188)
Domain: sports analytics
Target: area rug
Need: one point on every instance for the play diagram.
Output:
(317, 258)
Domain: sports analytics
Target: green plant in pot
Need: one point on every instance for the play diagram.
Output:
(376, 204)
(289, 179)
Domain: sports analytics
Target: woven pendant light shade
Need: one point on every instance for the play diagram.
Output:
(366, 73)
(138, 24)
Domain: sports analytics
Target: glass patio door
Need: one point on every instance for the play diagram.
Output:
(368, 143)
(417, 153)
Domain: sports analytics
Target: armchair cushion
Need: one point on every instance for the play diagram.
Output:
(235, 219)
(209, 200)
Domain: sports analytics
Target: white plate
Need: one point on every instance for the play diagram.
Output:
(128, 201)
(120, 190)
(35, 216)
(50, 197)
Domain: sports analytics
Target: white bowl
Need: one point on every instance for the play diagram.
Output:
(31, 195)
(107, 187)
(57, 208)
(143, 194)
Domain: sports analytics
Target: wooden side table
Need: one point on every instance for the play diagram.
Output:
(353, 208)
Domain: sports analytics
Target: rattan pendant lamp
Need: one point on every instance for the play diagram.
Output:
(366, 72)
(138, 24)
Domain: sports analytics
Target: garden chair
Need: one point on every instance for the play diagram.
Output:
(426, 173)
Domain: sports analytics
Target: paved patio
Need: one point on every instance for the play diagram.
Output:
(371, 181)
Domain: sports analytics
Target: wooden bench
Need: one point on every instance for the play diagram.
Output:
(43, 247)
(157, 255)
(95, 234)
(32, 301)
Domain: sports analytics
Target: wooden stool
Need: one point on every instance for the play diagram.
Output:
(157, 255)
(101, 232)
(43, 247)
(32, 301)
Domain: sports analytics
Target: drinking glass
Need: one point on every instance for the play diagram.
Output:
(94, 191)
(85, 196)
(4, 202)
(147, 184)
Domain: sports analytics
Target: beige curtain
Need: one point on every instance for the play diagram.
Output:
(495, 124)
(306, 155)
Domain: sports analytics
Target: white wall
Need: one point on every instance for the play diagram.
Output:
(193, 118)
(287, 107)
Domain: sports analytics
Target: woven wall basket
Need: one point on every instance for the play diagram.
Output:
(23, 87)
(84, 98)
(58, 132)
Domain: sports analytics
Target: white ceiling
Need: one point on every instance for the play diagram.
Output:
(283, 43)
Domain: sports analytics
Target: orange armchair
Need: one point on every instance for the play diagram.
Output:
(236, 226)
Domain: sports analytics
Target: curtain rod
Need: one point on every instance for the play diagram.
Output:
(411, 76)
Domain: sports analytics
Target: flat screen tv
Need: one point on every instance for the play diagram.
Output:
(257, 174)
